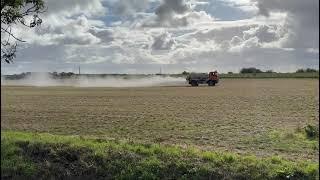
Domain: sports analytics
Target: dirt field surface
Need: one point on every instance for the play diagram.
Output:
(249, 116)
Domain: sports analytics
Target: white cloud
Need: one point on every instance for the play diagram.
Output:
(75, 7)
(176, 13)
(245, 5)
(163, 42)
(129, 7)
(302, 20)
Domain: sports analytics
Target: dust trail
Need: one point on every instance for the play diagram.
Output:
(44, 79)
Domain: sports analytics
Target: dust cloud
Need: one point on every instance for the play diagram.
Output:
(44, 79)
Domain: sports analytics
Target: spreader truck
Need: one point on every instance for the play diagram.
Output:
(194, 79)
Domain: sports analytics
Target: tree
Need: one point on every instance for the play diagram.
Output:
(15, 12)
(300, 71)
(185, 73)
(230, 72)
(311, 70)
(269, 71)
(250, 70)
(308, 70)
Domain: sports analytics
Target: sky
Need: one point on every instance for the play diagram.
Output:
(144, 36)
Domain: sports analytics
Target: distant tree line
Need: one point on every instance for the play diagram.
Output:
(62, 74)
(256, 70)
(308, 70)
(250, 70)
(185, 73)
(53, 75)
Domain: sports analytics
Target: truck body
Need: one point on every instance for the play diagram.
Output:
(194, 79)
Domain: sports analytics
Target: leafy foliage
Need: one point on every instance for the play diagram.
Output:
(185, 73)
(250, 70)
(312, 131)
(14, 12)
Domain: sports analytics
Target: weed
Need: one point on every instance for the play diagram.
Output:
(312, 131)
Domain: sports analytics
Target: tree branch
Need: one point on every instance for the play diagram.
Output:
(12, 35)
(29, 11)
(14, 12)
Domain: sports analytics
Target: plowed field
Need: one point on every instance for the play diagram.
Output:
(247, 116)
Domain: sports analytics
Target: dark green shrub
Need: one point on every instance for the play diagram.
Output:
(250, 70)
(300, 71)
(311, 131)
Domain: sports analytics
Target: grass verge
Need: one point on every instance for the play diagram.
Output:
(300, 142)
(45, 156)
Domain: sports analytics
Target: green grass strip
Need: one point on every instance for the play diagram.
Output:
(44, 156)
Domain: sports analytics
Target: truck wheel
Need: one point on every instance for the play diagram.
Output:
(194, 83)
(211, 83)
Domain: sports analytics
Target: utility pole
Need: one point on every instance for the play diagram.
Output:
(160, 71)
(79, 70)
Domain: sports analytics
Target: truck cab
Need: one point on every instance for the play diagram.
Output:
(213, 78)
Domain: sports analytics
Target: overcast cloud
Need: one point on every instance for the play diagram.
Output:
(142, 36)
